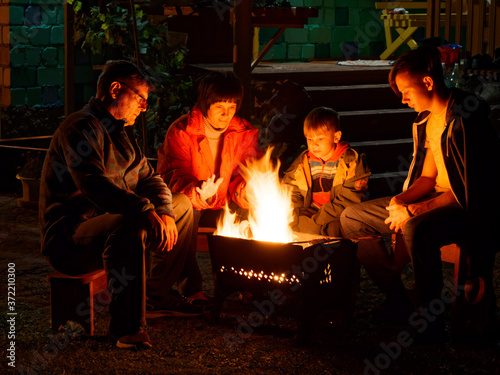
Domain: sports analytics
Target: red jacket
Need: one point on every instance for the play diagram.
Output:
(185, 159)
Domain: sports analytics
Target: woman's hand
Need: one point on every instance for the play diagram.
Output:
(209, 187)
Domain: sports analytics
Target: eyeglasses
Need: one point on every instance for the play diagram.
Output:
(141, 100)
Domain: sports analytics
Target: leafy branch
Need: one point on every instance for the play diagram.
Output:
(109, 25)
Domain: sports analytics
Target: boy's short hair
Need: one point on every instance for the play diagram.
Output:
(219, 87)
(420, 62)
(117, 70)
(322, 119)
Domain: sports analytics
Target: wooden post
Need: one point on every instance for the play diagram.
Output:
(480, 27)
(447, 20)
(492, 28)
(142, 118)
(468, 38)
(69, 59)
(242, 51)
(458, 22)
(433, 14)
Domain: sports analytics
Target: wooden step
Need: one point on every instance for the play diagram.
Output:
(389, 161)
(308, 74)
(354, 97)
(385, 184)
(321, 73)
(375, 125)
(386, 155)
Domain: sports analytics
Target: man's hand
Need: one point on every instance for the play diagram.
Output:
(162, 232)
(398, 215)
(209, 187)
(172, 233)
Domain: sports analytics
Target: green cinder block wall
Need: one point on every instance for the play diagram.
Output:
(342, 29)
(36, 40)
(32, 61)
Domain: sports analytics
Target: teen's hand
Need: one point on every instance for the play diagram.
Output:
(398, 215)
(209, 187)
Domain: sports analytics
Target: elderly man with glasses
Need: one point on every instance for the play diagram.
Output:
(103, 206)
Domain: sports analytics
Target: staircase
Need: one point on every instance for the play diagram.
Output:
(373, 119)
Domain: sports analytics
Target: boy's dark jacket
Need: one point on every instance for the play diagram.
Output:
(349, 185)
(471, 152)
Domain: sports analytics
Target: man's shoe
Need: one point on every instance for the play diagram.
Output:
(198, 299)
(171, 305)
(139, 340)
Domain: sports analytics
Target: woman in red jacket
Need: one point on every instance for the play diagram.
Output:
(200, 157)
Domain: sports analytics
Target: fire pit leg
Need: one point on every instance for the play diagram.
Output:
(310, 305)
(333, 284)
(219, 298)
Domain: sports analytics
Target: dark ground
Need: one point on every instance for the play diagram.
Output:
(194, 346)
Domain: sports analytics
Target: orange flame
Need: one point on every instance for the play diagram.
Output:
(271, 210)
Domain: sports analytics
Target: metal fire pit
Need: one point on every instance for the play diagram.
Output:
(320, 274)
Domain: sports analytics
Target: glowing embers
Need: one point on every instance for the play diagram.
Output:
(328, 275)
(261, 276)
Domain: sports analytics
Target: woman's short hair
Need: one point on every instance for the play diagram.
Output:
(420, 62)
(322, 119)
(117, 70)
(219, 87)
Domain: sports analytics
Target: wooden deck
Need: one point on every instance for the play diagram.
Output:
(312, 73)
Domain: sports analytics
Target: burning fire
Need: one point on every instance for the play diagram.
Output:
(270, 201)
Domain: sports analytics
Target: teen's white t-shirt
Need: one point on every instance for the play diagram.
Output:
(434, 131)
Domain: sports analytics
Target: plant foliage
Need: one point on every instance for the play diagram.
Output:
(161, 54)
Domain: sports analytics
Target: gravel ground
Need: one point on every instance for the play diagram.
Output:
(195, 346)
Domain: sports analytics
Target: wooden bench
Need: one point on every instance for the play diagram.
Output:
(421, 14)
(72, 298)
(202, 242)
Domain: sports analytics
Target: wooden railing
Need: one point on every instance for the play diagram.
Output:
(482, 18)
(474, 24)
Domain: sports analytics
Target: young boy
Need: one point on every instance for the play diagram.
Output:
(326, 178)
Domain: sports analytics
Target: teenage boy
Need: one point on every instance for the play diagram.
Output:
(326, 178)
(450, 195)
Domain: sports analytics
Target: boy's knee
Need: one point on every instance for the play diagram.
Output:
(345, 213)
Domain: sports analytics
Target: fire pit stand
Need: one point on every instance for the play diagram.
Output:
(321, 274)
